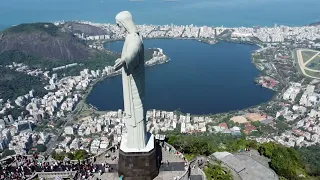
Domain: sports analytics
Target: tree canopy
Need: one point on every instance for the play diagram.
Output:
(217, 172)
(76, 155)
(286, 162)
(311, 157)
(41, 148)
(8, 152)
(208, 144)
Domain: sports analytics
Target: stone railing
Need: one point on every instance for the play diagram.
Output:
(63, 174)
(33, 176)
(204, 177)
(8, 157)
(28, 156)
(200, 171)
(185, 175)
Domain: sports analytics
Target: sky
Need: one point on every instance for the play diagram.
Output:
(228, 13)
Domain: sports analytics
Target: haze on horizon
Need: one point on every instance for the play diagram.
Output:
(229, 13)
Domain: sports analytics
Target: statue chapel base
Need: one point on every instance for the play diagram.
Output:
(139, 164)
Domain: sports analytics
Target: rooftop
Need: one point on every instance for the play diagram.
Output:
(248, 165)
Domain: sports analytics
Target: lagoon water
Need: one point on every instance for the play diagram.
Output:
(199, 79)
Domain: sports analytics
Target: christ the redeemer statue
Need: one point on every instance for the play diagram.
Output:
(138, 155)
(133, 81)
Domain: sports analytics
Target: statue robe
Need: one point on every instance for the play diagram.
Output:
(133, 80)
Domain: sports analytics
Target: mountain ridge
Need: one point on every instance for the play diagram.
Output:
(45, 40)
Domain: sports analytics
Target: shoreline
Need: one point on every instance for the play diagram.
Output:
(199, 40)
(88, 91)
(102, 42)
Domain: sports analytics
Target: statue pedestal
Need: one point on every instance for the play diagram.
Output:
(139, 164)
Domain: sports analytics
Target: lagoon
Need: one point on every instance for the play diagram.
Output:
(199, 79)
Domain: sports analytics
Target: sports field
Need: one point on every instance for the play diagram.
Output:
(309, 62)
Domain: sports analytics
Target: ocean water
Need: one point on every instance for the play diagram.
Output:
(200, 79)
(228, 13)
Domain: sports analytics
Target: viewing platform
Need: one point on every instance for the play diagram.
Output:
(174, 166)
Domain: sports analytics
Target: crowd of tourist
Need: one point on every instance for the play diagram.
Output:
(19, 167)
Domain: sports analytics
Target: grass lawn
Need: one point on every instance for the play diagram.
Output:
(314, 64)
(313, 74)
(306, 55)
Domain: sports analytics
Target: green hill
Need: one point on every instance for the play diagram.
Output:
(45, 40)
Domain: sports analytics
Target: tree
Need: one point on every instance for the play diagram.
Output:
(70, 155)
(252, 144)
(57, 156)
(282, 126)
(267, 149)
(217, 172)
(41, 148)
(8, 152)
(172, 139)
(230, 123)
(282, 178)
(310, 157)
(38, 128)
(58, 123)
(256, 123)
(285, 161)
(80, 154)
(281, 118)
(60, 138)
(298, 97)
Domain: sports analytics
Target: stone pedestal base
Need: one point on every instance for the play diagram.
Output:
(139, 165)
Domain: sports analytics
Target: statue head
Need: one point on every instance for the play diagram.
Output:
(125, 21)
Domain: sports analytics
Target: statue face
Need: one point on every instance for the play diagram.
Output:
(122, 29)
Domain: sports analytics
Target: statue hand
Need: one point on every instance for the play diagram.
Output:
(118, 64)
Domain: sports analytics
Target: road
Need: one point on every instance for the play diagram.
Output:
(70, 117)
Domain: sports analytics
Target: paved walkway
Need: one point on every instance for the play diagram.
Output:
(198, 165)
(174, 169)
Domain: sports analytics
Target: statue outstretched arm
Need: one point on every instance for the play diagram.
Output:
(118, 64)
(132, 46)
